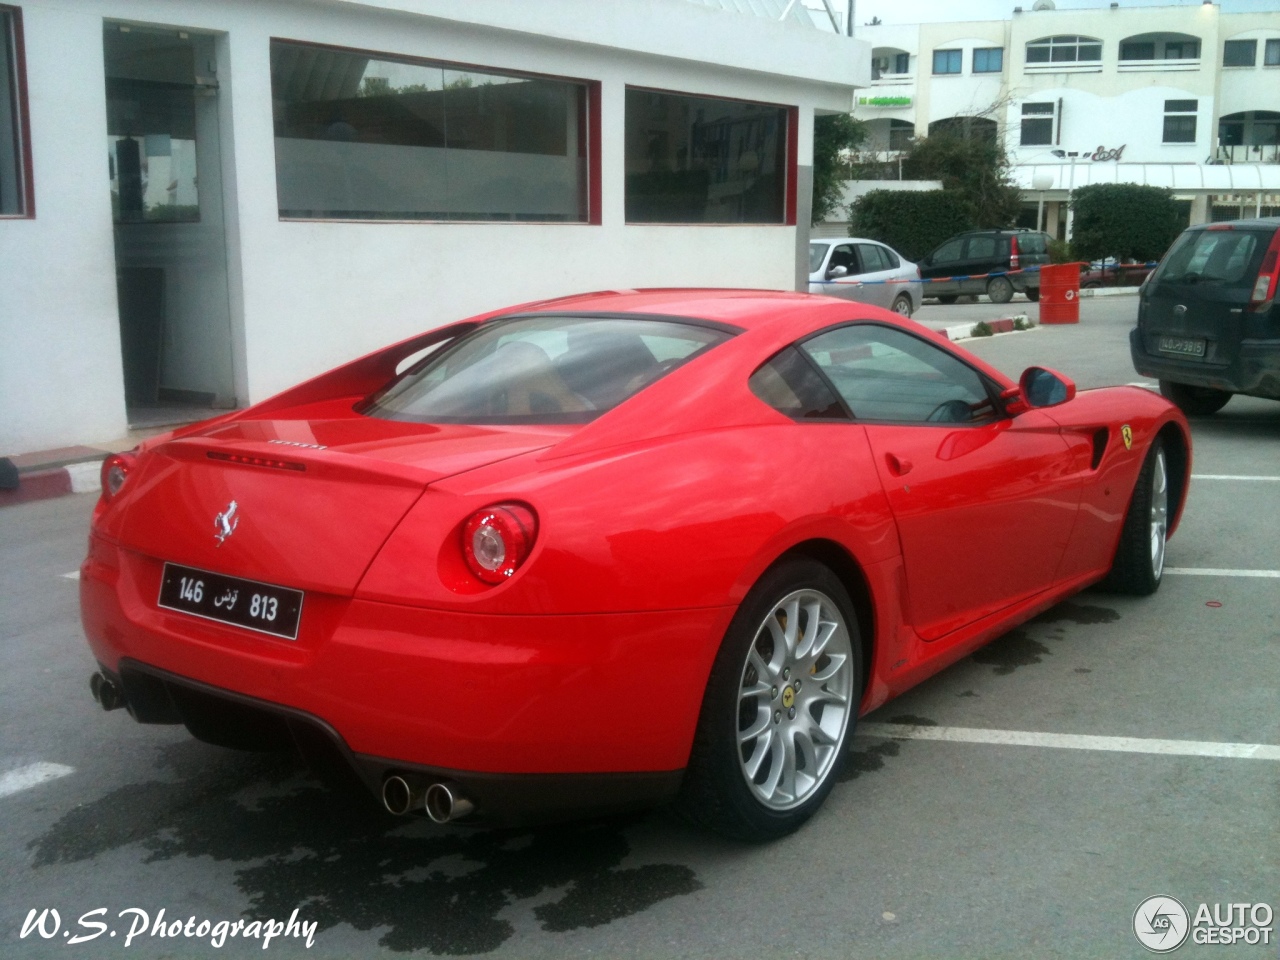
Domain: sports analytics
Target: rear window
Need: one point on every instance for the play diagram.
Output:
(545, 369)
(1031, 243)
(1223, 257)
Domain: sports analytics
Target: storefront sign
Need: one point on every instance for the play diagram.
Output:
(1102, 153)
(884, 101)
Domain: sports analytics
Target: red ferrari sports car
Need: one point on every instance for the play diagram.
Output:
(613, 550)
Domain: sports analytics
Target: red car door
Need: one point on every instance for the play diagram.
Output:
(984, 503)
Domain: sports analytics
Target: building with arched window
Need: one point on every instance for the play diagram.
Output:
(1184, 97)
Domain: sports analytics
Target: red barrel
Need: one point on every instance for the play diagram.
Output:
(1060, 293)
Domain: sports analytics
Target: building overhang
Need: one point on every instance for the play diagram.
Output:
(1182, 178)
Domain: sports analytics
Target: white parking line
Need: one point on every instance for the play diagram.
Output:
(32, 775)
(1218, 572)
(1071, 741)
(1144, 383)
(73, 575)
(1232, 476)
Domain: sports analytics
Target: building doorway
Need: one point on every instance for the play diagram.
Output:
(164, 159)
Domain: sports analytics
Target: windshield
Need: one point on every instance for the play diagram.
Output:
(544, 369)
(816, 252)
(1225, 257)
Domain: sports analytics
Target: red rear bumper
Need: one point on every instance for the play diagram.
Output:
(598, 693)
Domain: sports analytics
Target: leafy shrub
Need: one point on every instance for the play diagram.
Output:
(912, 222)
(1124, 220)
(982, 329)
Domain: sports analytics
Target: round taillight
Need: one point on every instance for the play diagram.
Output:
(115, 471)
(497, 540)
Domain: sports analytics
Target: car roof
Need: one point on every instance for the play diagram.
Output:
(1255, 222)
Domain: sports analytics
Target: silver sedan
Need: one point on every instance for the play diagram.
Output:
(866, 271)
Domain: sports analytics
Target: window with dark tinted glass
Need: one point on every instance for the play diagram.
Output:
(949, 251)
(1180, 121)
(1271, 55)
(981, 248)
(1037, 124)
(887, 375)
(704, 160)
(1240, 53)
(1138, 50)
(790, 384)
(988, 59)
(1221, 258)
(947, 61)
(15, 183)
(542, 369)
(362, 137)
(1182, 50)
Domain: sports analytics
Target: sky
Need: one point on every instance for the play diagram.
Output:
(926, 11)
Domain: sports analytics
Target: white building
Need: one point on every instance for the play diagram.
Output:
(206, 202)
(1185, 97)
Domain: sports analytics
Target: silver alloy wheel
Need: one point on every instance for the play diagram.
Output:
(794, 699)
(902, 306)
(1159, 513)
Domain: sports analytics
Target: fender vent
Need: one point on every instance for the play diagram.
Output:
(1100, 437)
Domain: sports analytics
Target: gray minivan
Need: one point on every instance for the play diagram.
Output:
(1208, 321)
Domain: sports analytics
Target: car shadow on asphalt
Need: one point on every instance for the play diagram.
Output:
(338, 858)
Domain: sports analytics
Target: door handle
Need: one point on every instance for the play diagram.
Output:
(897, 466)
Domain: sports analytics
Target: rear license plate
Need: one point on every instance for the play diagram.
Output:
(243, 603)
(1182, 346)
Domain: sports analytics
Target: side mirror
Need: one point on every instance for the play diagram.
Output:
(1042, 387)
(837, 271)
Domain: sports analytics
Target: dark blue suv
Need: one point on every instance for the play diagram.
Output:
(1208, 318)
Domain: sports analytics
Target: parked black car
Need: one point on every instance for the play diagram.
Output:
(1208, 320)
(987, 251)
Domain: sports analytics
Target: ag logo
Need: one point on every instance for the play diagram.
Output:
(1126, 434)
(1161, 924)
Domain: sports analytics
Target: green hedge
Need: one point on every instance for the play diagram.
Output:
(912, 222)
(1124, 220)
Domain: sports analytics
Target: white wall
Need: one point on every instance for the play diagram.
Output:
(60, 372)
(306, 295)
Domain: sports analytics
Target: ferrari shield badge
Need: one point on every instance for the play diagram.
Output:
(225, 523)
(1126, 434)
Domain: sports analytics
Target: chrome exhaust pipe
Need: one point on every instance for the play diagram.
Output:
(106, 692)
(399, 796)
(444, 802)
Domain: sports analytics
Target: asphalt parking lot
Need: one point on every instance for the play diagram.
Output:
(930, 848)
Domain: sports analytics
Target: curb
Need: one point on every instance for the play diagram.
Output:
(964, 331)
(54, 482)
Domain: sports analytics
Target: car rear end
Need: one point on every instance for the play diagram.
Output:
(1207, 316)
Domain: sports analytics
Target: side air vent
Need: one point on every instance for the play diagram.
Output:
(1100, 437)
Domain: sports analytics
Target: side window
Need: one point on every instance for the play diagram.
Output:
(981, 248)
(891, 259)
(885, 374)
(872, 257)
(790, 385)
(842, 256)
(948, 251)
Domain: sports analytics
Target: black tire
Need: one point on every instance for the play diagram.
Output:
(999, 290)
(1195, 401)
(1138, 566)
(948, 298)
(1033, 293)
(902, 305)
(1091, 285)
(717, 792)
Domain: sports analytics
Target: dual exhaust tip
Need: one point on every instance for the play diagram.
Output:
(440, 801)
(106, 692)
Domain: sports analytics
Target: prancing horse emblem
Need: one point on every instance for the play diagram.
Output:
(225, 523)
